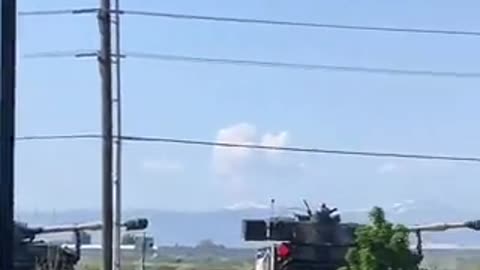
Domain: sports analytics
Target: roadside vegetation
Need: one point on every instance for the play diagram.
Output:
(381, 245)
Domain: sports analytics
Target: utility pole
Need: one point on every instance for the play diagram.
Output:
(105, 65)
(7, 130)
(144, 248)
(117, 175)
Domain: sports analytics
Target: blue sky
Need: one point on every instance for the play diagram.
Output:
(287, 107)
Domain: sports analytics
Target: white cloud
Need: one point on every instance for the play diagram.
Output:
(237, 169)
(247, 205)
(387, 168)
(404, 206)
(414, 168)
(275, 140)
(231, 161)
(163, 166)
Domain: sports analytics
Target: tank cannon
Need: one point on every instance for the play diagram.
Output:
(440, 227)
(31, 253)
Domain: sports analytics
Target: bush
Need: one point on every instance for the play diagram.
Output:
(381, 245)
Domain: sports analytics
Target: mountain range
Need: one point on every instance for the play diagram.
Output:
(223, 226)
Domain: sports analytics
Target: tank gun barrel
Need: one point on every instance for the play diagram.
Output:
(439, 227)
(129, 225)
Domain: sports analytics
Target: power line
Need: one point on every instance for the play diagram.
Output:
(183, 16)
(325, 67)
(63, 54)
(297, 24)
(167, 57)
(260, 63)
(58, 12)
(57, 137)
(260, 147)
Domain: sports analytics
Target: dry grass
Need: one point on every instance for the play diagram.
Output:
(176, 266)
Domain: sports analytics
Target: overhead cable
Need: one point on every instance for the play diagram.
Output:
(261, 63)
(184, 16)
(290, 65)
(63, 54)
(297, 24)
(259, 147)
(58, 12)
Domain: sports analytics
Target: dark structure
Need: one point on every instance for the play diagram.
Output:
(317, 240)
(105, 67)
(31, 253)
(7, 130)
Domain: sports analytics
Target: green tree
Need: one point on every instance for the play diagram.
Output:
(381, 246)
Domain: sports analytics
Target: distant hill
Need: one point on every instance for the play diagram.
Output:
(224, 226)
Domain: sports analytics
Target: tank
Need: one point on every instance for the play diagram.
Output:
(31, 253)
(319, 239)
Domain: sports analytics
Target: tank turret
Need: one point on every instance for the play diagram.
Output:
(317, 239)
(31, 253)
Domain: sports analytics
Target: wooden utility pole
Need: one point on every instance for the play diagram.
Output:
(105, 64)
(7, 131)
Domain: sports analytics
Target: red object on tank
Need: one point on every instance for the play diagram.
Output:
(283, 251)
